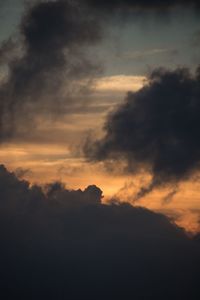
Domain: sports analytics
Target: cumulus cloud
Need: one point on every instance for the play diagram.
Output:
(156, 129)
(68, 244)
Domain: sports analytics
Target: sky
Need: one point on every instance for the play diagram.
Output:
(99, 149)
(55, 115)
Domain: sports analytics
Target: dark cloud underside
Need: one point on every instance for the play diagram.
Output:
(67, 244)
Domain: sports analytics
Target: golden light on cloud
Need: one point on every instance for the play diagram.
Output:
(48, 163)
(49, 155)
(99, 149)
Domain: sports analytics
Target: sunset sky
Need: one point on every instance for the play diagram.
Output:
(99, 149)
(51, 125)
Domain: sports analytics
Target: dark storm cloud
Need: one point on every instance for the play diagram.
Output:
(53, 56)
(69, 245)
(54, 36)
(156, 129)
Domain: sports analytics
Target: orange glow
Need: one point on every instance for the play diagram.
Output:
(54, 162)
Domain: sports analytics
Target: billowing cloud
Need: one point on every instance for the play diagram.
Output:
(156, 129)
(48, 66)
(68, 244)
(51, 61)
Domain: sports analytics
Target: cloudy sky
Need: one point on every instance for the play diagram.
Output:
(99, 149)
(65, 70)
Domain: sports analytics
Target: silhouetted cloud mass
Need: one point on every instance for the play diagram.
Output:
(69, 245)
(156, 129)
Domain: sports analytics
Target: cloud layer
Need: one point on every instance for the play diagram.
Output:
(68, 244)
